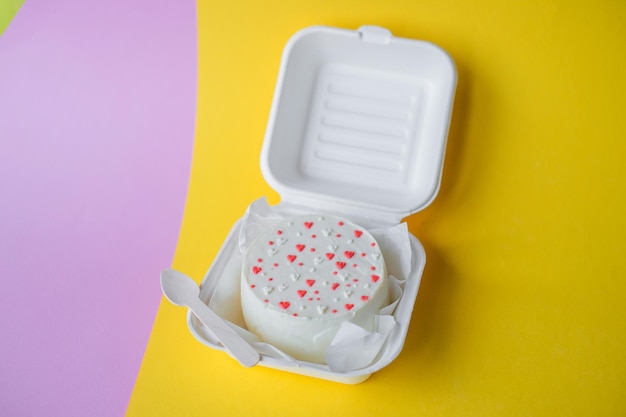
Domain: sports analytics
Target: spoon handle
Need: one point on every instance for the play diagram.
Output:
(238, 347)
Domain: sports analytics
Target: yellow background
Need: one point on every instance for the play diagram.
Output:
(8, 9)
(522, 306)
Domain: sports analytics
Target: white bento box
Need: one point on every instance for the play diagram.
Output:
(358, 128)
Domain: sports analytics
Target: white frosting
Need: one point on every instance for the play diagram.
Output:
(305, 276)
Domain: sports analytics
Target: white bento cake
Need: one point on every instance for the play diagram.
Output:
(303, 277)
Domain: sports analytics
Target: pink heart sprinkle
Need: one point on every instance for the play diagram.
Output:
(284, 304)
(310, 282)
(300, 247)
(330, 256)
(308, 225)
(348, 254)
(302, 293)
(364, 297)
(375, 278)
(340, 265)
(334, 286)
(358, 233)
(256, 269)
(349, 306)
(291, 258)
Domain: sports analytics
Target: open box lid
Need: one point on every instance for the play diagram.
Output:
(359, 122)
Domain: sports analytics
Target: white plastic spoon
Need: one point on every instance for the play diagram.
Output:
(181, 290)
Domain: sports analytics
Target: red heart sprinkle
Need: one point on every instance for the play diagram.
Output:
(349, 254)
(330, 256)
(349, 306)
(291, 258)
(358, 233)
(375, 278)
(334, 286)
(340, 223)
(310, 282)
(300, 247)
(270, 243)
(302, 293)
(256, 269)
(279, 232)
(340, 265)
(308, 225)
(284, 304)
(364, 297)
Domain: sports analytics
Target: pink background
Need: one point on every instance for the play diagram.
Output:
(97, 110)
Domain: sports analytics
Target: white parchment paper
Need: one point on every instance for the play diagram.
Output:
(353, 347)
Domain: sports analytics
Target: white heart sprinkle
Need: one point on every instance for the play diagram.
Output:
(272, 251)
(376, 255)
(283, 287)
(294, 277)
(347, 293)
(311, 269)
(281, 240)
(366, 286)
(321, 309)
(344, 276)
(327, 232)
(332, 248)
(267, 290)
(318, 260)
(350, 240)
